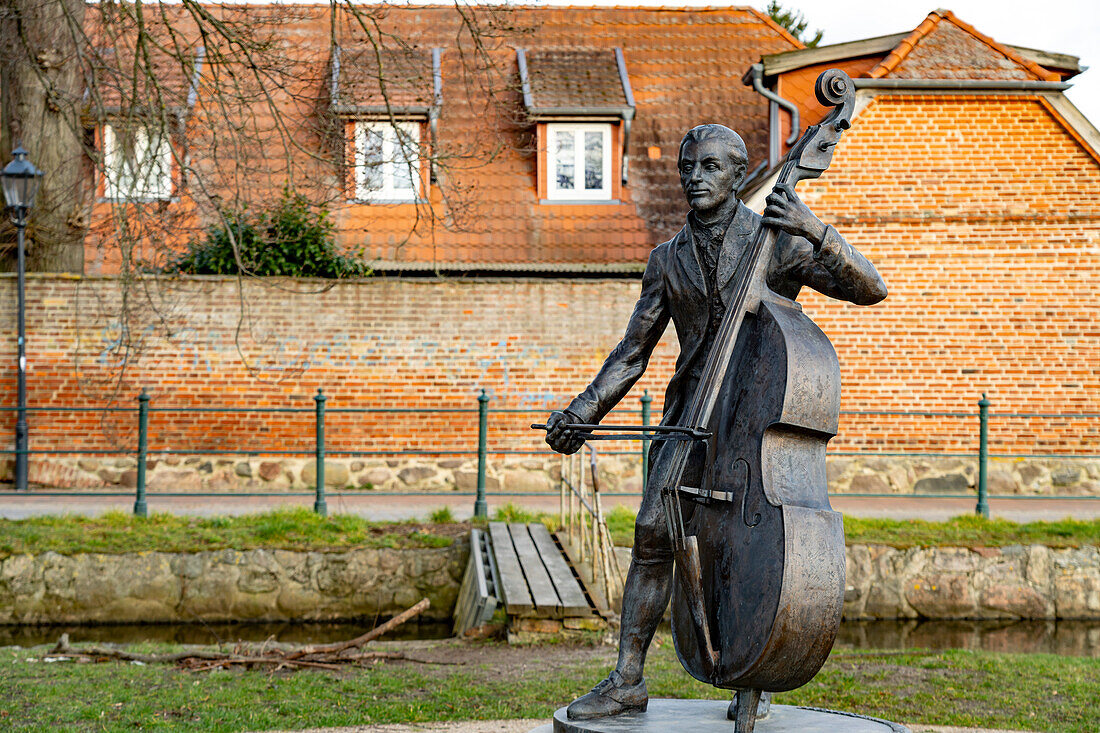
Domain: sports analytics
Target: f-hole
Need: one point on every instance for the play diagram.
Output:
(740, 476)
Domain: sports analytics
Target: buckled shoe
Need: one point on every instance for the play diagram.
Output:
(611, 697)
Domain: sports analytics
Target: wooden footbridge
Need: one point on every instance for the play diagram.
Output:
(520, 568)
(533, 574)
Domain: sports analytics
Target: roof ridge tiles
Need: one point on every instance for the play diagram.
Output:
(907, 44)
(771, 23)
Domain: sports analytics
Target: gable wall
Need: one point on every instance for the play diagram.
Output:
(983, 216)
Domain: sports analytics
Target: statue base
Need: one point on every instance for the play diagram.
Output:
(709, 716)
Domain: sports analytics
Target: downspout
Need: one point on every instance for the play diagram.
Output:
(334, 82)
(755, 78)
(524, 83)
(628, 112)
(436, 107)
(196, 79)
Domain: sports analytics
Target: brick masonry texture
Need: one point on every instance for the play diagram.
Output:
(389, 343)
(982, 214)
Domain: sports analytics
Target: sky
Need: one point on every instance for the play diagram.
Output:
(1062, 26)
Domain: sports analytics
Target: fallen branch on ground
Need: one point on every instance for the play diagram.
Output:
(320, 656)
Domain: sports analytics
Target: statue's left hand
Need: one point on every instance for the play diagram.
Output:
(787, 212)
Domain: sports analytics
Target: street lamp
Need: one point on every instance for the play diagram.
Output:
(20, 180)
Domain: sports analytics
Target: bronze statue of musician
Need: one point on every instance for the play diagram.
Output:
(690, 280)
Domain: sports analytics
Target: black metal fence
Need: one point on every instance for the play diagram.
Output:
(142, 451)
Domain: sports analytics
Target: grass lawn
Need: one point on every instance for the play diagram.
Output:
(488, 680)
(964, 531)
(301, 529)
(286, 529)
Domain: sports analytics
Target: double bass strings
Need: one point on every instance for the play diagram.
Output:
(706, 393)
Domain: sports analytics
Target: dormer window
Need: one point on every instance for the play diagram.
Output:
(142, 142)
(580, 161)
(390, 102)
(582, 105)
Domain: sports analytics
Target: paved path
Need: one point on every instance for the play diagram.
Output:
(382, 507)
(523, 726)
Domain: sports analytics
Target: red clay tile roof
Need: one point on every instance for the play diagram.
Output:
(371, 78)
(575, 78)
(952, 51)
(163, 81)
(484, 210)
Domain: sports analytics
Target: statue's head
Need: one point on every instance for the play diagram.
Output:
(712, 165)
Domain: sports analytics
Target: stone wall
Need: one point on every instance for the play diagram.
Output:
(618, 473)
(228, 585)
(1032, 582)
(1016, 582)
(986, 582)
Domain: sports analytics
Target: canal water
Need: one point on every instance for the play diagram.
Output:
(1074, 638)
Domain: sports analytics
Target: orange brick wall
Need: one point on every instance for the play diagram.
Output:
(434, 344)
(983, 215)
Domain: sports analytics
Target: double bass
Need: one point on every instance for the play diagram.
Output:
(759, 552)
(759, 570)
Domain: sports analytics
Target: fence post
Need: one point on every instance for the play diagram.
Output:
(983, 456)
(481, 509)
(141, 508)
(319, 504)
(646, 400)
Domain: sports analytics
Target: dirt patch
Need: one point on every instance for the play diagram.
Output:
(453, 530)
(496, 661)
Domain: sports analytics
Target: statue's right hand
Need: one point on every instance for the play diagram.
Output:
(560, 438)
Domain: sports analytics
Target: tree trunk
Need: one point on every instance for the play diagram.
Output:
(41, 96)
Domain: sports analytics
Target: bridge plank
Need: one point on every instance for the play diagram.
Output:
(573, 602)
(546, 598)
(517, 598)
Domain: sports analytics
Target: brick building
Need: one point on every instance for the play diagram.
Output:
(967, 177)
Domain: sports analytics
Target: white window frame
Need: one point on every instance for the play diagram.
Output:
(555, 193)
(146, 175)
(391, 159)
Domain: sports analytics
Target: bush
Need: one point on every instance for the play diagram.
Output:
(291, 239)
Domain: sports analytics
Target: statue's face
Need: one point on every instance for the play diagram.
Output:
(707, 174)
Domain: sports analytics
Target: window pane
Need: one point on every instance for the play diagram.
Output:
(593, 160)
(404, 159)
(125, 147)
(564, 165)
(371, 150)
(114, 162)
(140, 169)
(153, 163)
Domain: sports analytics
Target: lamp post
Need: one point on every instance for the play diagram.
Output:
(20, 182)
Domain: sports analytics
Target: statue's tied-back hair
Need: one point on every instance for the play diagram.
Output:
(738, 153)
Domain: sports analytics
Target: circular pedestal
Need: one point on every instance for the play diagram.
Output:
(709, 716)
